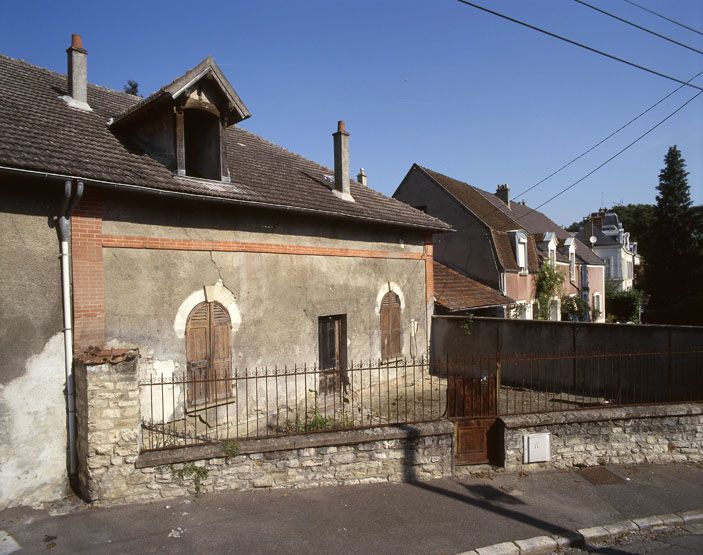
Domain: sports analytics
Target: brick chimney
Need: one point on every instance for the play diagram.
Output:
(361, 177)
(77, 96)
(341, 162)
(503, 193)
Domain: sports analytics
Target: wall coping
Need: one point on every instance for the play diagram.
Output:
(286, 443)
(600, 414)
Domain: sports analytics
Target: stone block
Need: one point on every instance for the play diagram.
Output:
(507, 548)
(594, 534)
(647, 522)
(621, 528)
(537, 546)
(691, 516)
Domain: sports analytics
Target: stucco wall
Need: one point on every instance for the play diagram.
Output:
(469, 247)
(275, 300)
(520, 287)
(32, 376)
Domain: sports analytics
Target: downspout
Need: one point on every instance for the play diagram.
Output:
(69, 202)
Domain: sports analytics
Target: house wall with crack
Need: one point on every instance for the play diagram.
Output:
(32, 375)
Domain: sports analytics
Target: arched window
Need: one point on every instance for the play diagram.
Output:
(208, 353)
(390, 326)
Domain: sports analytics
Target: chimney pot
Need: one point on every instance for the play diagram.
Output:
(76, 41)
(341, 162)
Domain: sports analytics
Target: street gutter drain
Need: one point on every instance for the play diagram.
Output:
(600, 476)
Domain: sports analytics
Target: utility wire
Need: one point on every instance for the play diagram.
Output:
(618, 153)
(664, 17)
(637, 26)
(580, 45)
(611, 135)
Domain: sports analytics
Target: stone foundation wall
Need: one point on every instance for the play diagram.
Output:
(111, 469)
(625, 435)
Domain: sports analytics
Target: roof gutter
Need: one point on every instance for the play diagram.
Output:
(181, 195)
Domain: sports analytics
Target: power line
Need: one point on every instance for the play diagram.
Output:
(637, 26)
(664, 17)
(618, 153)
(611, 135)
(580, 45)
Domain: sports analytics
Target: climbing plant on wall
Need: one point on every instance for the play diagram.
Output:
(548, 285)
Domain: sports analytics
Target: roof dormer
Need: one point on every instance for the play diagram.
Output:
(183, 124)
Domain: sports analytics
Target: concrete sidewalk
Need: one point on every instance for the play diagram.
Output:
(444, 516)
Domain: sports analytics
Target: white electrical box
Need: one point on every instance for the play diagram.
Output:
(536, 448)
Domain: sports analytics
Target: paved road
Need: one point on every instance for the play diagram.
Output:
(444, 516)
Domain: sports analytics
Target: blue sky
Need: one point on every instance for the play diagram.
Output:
(432, 81)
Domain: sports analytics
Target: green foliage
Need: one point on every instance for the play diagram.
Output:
(574, 227)
(574, 309)
(190, 471)
(622, 306)
(548, 285)
(674, 258)
(316, 423)
(230, 447)
(132, 87)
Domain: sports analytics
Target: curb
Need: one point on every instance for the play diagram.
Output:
(542, 545)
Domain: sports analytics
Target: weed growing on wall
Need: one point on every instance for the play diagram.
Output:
(190, 471)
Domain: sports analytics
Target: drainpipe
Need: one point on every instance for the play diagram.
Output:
(69, 202)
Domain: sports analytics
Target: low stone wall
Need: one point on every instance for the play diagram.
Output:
(111, 469)
(624, 435)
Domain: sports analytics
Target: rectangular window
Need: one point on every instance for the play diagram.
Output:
(522, 253)
(572, 266)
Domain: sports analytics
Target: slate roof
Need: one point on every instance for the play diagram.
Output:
(501, 218)
(455, 291)
(602, 240)
(40, 132)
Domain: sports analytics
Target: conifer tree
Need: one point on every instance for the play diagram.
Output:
(674, 260)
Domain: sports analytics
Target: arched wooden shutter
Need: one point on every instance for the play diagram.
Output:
(390, 326)
(221, 354)
(208, 353)
(198, 352)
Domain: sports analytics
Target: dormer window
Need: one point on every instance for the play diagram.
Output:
(521, 251)
(572, 258)
(183, 124)
(550, 240)
(201, 138)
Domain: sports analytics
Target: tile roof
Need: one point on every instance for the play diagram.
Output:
(455, 291)
(40, 132)
(499, 217)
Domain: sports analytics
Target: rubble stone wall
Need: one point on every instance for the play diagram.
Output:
(111, 469)
(624, 435)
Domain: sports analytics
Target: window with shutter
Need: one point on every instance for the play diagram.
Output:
(208, 354)
(390, 326)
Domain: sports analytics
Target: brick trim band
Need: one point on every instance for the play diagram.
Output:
(160, 243)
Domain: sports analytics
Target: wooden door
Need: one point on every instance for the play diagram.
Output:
(332, 339)
(208, 354)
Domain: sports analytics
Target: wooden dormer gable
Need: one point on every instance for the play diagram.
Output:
(182, 125)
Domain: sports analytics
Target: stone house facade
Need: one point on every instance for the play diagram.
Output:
(160, 224)
(502, 244)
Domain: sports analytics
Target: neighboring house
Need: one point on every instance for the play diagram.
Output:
(501, 244)
(186, 236)
(604, 231)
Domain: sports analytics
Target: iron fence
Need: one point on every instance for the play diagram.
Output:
(180, 410)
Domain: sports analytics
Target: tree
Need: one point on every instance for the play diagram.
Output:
(638, 220)
(673, 261)
(132, 87)
(548, 285)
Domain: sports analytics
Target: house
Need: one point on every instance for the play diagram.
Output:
(161, 224)
(604, 231)
(502, 244)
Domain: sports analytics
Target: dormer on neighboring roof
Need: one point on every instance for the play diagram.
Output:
(550, 242)
(182, 124)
